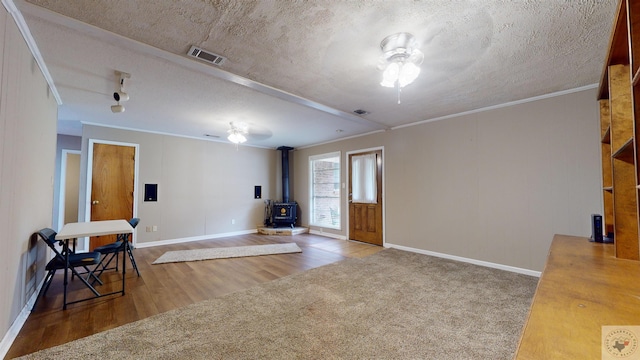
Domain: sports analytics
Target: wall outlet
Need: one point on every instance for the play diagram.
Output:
(148, 229)
(155, 227)
(233, 221)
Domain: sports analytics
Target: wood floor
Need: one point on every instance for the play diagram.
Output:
(165, 287)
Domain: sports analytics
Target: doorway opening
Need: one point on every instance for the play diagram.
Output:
(69, 187)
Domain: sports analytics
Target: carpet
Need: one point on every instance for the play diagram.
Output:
(390, 305)
(226, 252)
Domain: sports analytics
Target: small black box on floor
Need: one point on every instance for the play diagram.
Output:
(596, 230)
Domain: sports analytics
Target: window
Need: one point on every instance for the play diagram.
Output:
(325, 190)
(363, 179)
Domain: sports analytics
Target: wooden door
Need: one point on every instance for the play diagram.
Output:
(112, 184)
(365, 219)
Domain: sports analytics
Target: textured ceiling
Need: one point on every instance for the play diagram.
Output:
(296, 70)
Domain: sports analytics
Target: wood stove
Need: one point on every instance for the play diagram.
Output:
(284, 213)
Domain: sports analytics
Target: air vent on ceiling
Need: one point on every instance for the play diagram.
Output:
(207, 56)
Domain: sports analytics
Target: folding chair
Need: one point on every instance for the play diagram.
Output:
(111, 251)
(58, 262)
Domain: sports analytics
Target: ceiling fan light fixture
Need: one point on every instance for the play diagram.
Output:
(236, 137)
(400, 61)
(408, 73)
(390, 75)
(237, 132)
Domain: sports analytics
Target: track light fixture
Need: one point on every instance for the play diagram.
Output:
(117, 108)
(119, 95)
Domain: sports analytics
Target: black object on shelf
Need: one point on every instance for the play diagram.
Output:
(597, 232)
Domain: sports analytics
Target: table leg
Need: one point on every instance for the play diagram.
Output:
(66, 272)
(124, 260)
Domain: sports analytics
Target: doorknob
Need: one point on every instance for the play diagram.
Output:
(95, 202)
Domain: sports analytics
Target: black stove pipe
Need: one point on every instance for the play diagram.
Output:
(285, 172)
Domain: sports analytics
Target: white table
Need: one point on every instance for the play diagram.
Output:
(92, 228)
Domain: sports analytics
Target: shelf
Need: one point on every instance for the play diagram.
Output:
(636, 78)
(618, 48)
(606, 138)
(625, 152)
(619, 102)
(633, 25)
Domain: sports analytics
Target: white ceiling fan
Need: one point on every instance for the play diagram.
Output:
(239, 132)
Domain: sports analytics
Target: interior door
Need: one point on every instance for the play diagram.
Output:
(112, 185)
(365, 216)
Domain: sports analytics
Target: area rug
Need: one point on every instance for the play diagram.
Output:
(390, 305)
(227, 252)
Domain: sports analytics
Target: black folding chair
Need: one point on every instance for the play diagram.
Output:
(76, 260)
(111, 251)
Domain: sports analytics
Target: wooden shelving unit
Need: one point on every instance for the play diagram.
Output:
(619, 99)
(607, 181)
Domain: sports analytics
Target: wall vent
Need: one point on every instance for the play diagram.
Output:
(204, 55)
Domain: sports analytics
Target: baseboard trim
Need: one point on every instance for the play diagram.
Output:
(326, 234)
(467, 260)
(193, 238)
(18, 323)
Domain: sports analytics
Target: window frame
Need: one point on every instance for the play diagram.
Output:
(313, 197)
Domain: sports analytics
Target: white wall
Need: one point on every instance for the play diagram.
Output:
(493, 186)
(202, 185)
(28, 114)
